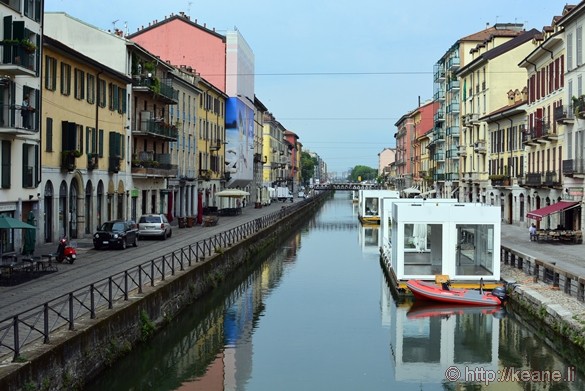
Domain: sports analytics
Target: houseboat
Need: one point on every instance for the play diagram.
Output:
(369, 204)
(431, 238)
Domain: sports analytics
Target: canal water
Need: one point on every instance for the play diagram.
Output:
(318, 315)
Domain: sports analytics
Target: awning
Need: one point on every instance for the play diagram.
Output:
(560, 206)
(411, 190)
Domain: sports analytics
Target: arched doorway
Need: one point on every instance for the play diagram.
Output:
(62, 221)
(100, 203)
(88, 208)
(48, 206)
(73, 192)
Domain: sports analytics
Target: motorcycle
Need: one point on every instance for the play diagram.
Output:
(65, 252)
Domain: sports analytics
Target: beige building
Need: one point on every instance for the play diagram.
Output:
(486, 81)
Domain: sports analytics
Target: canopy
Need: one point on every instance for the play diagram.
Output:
(232, 193)
(411, 190)
(560, 206)
(7, 222)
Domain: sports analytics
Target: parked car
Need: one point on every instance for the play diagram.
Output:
(116, 234)
(301, 194)
(154, 225)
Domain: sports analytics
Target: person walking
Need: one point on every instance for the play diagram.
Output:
(532, 231)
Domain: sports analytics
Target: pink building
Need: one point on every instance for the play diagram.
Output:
(180, 41)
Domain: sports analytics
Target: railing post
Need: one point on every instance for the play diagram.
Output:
(110, 303)
(46, 322)
(126, 285)
(139, 278)
(163, 271)
(92, 301)
(71, 319)
(16, 337)
(152, 272)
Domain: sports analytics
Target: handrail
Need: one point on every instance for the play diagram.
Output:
(40, 322)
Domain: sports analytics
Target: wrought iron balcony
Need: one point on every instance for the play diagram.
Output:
(215, 145)
(533, 179)
(551, 179)
(18, 60)
(563, 114)
(158, 128)
(68, 160)
(161, 89)
(573, 166)
(114, 164)
(92, 161)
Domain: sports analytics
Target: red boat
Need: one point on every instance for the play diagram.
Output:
(428, 291)
(428, 309)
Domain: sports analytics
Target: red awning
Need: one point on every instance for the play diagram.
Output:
(538, 214)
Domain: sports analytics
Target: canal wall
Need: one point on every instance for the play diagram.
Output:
(74, 357)
(547, 293)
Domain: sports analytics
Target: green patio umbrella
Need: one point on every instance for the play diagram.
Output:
(30, 237)
(7, 222)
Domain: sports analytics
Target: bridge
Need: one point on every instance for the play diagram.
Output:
(348, 186)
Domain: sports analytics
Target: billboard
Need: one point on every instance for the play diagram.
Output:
(239, 153)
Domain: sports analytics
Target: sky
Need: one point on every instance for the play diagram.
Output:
(338, 73)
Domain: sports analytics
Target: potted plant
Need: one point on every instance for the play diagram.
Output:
(28, 46)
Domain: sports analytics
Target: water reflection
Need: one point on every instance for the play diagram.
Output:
(312, 317)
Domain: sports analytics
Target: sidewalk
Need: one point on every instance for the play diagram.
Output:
(567, 256)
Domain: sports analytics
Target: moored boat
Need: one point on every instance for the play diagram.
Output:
(422, 290)
(427, 309)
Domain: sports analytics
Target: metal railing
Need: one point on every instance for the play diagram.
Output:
(39, 323)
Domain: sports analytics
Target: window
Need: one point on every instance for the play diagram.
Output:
(79, 84)
(90, 89)
(49, 135)
(5, 157)
(578, 47)
(65, 79)
(569, 51)
(50, 73)
(102, 93)
(28, 165)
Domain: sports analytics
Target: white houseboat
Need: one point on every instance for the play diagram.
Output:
(431, 239)
(369, 204)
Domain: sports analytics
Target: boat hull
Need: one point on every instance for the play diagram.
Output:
(427, 291)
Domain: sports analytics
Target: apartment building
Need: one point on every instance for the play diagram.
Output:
(20, 141)
(486, 81)
(451, 92)
(275, 169)
(84, 148)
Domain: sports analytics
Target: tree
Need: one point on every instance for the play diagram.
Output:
(363, 173)
(308, 164)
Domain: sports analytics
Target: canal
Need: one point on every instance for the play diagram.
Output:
(318, 315)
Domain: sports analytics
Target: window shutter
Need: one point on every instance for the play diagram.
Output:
(101, 143)
(49, 135)
(7, 30)
(6, 158)
(37, 168)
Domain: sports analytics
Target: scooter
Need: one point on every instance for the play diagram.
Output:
(65, 252)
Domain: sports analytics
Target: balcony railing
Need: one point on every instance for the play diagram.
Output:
(573, 166)
(92, 161)
(533, 179)
(163, 87)
(440, 95)
(551, 179)
(17, 60)
(453, 108)
(453, 131)
(215, 145)
(453, 85)
(68, 160)
(114, 164)
(563, 113)
(462, 150)
(453, 63)
(480, 146)
(439, 116)
(13, 121)
(159, 129)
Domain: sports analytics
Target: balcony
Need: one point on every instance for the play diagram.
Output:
(453, 108)
(480, 147)
(439, 73)
(114, 164)
(453, 85)
(157, 128)
(533, 179)
(453, 131)
(68, 160)
(161, 90)
(439, 116)
(17, 60)
(573, 167)
(439, 95)
(215, 145)
(462, 150)
(453, 63)
(452, 176)
(149, 164)
(439, 157)
(204, 175)
(12, 121)
(563, 114)
(470, 119)
(92, 161)
(499, 180)
(551, 179)
(452, 153)
(438, 135)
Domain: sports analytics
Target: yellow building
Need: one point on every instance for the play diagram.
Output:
(84, 148)
(485, 82)
(211, 140)
(273, 151)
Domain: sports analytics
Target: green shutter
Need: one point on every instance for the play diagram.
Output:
(18, 30)
(5, 169)
(37, 166)
(87, 138)
(7, 30)
(49, 136)
(101, 143)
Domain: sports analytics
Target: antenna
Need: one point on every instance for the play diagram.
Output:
(114, 23)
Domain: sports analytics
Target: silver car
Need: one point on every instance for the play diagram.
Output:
(154, 225)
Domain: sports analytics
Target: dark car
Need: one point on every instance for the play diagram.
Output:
(117, 234)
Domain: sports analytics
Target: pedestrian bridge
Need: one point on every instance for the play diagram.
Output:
(348, 186)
